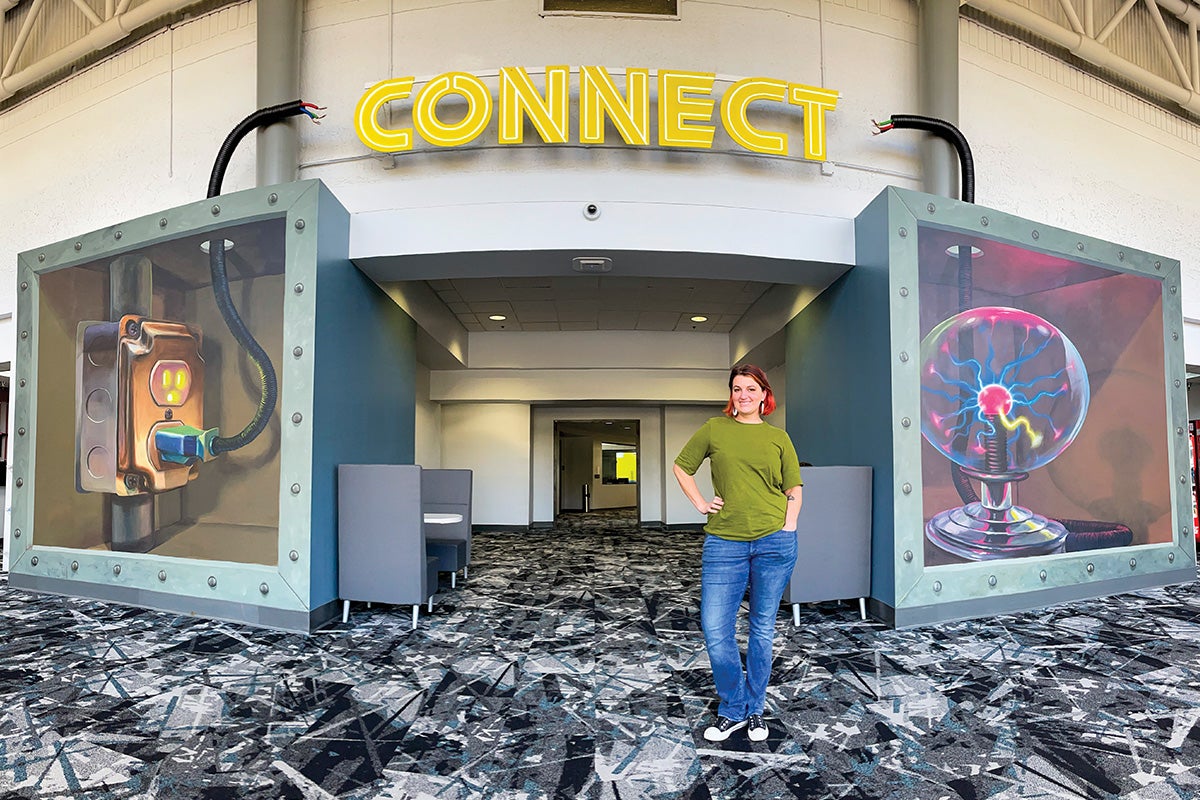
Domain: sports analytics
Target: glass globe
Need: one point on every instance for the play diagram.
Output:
(1003, 391)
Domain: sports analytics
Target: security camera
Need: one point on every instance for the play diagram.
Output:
(591, 211)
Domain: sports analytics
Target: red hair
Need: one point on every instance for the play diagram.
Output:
(760, 377)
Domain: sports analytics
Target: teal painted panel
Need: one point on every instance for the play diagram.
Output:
(364, 402)
(838, 383)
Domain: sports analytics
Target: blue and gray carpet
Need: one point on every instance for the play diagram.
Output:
(571, 664)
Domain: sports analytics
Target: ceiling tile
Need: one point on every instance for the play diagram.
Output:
(534, 312)
(539, 326)
(578, 326)
(657, 321)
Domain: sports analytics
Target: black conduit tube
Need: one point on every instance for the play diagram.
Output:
(220, 283)
(939, 127)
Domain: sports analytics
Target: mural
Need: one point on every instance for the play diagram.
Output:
(1043, 403)
(175, 445)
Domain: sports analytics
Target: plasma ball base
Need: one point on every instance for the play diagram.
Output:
(978, 533)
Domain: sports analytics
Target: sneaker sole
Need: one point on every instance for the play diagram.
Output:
(758, 736)
(713, 734)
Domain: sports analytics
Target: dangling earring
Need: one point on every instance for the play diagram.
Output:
(735, 412)
(762, 406)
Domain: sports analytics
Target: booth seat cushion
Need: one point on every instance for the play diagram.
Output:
(450, 553)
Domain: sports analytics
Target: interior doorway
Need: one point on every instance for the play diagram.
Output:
(596, 473)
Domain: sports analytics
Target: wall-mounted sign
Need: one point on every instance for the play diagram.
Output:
(685, 105)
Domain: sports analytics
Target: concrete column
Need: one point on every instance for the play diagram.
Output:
(279, 28)
(937, 53)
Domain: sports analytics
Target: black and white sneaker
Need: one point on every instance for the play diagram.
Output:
(758, 728)
(720, 730)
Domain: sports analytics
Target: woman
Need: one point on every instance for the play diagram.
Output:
(751, 539)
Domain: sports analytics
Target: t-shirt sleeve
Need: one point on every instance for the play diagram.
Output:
(791, 464)
(695, 451)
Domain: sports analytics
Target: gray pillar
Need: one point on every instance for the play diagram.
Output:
(131, 291)
(937, 53)
(279, 27)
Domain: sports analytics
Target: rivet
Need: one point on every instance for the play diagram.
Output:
(906, 488)
(1133, 563)
(34, 561)
(20, 483)
(298, 288)
(1158, 265)
(1171, 557)
(905, 422)
(299, 224)
(297, 351)
(1036, 234)
(162, 574)
(1079, 246)
(903, 233)
(1120, 255)
(272, 198)
(991, 580)
(1174, 289)
(903, 357)
(294, 556)
(297, 418)
(908, 555)
(169, 414)
(118, 236)
(904, 291)
(1182, 479)
(21, 383)
(131, 482)
(78, 246)
(931, 208)
(1175, 336)
(41, 256)
(162, 223)
(74, 566)
(1042, 575)
(24, 334)
(1091, 568)
(24, 285)
(295, 488)
(212, 581)
(17, 533)
(262, 587)
(984, 221)
(937, 586)
(20, 431)
(1178, 383)
(216, 210)
(116, 569)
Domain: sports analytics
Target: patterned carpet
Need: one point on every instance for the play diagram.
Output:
(571, 665)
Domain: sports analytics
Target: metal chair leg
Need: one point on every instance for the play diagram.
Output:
(862, 607)
(796, 614)
(345, 611)
(453, 580)
(416, 608)
(430, 604)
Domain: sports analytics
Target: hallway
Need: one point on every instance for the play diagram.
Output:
(571, 665)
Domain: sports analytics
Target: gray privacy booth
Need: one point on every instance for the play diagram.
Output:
(834, 538)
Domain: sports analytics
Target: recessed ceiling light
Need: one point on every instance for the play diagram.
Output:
(699, 318)
(497, 317)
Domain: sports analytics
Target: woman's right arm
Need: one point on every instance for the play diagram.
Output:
(688, 484)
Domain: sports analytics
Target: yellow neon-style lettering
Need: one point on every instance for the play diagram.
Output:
(519, 97)
(479, 109)
(677, 113)
(815, 101)
(733, 114)
(366, 116)
(598, 95)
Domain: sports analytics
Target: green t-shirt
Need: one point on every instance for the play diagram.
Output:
(752, 466)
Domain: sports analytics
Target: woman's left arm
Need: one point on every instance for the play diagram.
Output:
(794, 499)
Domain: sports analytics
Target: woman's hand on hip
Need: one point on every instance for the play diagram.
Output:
(712, 506)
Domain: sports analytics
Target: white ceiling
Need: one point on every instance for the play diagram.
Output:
(597, 302)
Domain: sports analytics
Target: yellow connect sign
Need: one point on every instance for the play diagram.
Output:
(685, 110)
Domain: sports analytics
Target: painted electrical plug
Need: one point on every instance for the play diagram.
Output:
(183, 444)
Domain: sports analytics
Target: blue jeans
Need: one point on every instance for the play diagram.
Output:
(766, 564)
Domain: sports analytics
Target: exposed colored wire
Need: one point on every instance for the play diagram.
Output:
(881, 127)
